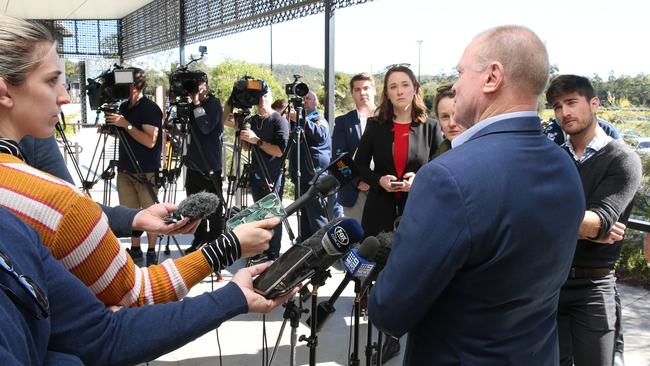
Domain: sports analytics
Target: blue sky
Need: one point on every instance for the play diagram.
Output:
(583, 37)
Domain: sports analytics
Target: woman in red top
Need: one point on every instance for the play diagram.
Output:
(399, 140)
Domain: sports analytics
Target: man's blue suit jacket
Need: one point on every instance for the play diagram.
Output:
(479, 257)
(345, 138)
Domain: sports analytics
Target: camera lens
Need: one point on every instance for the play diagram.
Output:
(301, 89)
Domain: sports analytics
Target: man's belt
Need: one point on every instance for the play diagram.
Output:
(577, 272)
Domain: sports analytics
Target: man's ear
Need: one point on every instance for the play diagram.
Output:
(3, 87)
(494, 77)
(5, 100)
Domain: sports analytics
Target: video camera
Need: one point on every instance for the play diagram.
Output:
(182, 84)
(297, 87)
(107, 90)
(246, 92)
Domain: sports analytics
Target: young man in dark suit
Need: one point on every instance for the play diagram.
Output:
(348, 129)
(475, 270)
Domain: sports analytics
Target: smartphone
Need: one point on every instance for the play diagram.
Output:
(396, 184)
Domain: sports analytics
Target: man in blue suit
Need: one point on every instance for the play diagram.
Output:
(475, 270)
(348, 129)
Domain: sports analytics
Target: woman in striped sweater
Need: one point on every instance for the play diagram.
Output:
(69, 223)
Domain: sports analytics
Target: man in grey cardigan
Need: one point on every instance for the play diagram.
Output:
(611, 174)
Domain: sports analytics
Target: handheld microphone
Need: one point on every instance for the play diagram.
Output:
(358, 264)
(343, 169)
(324, 186)
(197, 206)
(303, 260)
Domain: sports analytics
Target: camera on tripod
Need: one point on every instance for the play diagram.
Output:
(183, 83)
(108, 89)
(246, 92)
(297, 88)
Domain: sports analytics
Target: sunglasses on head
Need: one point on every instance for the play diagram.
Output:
(36, 294)
(390, 67)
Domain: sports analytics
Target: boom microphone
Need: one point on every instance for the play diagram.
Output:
(303, 260)
(324, 186)
(197, 206)
(358, 266)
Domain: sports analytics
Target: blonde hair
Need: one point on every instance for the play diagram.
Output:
(522, 54)
(18, 41)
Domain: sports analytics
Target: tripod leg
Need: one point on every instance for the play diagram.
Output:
(369, 343)
(294, 341)
(277, 342)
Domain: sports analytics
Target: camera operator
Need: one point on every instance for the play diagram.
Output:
(203, 159)
(313, 215)
(268, 133)
(141, 120)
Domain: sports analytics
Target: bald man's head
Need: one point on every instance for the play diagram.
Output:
(522, 54)
(311, 102)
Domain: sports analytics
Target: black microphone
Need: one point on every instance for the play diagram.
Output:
(324, 186)
(343, 169)
(303, 260)
(385, 240)
(358, 264)
(197, 206)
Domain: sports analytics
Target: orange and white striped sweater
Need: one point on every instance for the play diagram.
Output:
(77, 233)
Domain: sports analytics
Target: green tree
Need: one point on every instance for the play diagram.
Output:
(343, 101)
(71, 69)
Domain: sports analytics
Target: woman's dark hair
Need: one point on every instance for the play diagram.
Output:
(418, 108)
(443, 91)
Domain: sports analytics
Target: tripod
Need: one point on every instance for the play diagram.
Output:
(109, 172)
(60, 127)
(198, 140)
(296, 147)
(238, 178)
(167, 177)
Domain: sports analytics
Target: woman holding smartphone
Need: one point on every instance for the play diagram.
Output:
(399, 139)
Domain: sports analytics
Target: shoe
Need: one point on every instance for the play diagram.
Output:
(136, 254)
(191, 249)
(389, 350)
(151, 258)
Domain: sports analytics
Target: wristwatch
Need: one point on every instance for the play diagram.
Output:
(259, 142)
(129, 127)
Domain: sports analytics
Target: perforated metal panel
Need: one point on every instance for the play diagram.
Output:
(86, 38)
(209, 19)
(156, 26)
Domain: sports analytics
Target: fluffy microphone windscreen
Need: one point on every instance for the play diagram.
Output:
(198, 205)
